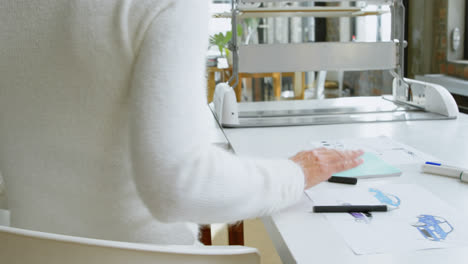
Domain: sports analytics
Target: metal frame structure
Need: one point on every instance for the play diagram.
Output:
(410, 99)
(394, 63)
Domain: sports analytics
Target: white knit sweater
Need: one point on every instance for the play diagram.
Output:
(103, 129)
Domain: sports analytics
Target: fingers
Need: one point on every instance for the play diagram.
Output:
(342, 160)
(344, 164)
(333, 155)
(319, 164)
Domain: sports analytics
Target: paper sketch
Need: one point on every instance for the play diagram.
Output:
(418, 219)
(386, 198)
(433, 228)
(391, 151)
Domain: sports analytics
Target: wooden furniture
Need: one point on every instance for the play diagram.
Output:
(226, 74)
(205, 235)
(277, 82)
(276, 76)
(211, 81)
(235, 234)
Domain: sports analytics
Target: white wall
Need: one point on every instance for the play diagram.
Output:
(455, 18)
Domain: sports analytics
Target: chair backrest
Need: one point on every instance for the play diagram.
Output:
(26, 246)
(4, 217)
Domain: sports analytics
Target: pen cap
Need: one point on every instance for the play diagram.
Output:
(464, 176)
(442, 170)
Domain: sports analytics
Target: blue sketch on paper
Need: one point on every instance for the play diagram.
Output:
(433, 228)
(331, 144)
(360, 217)
(386, 198)
(409, 152)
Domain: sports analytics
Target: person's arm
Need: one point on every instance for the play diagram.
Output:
(178, 173)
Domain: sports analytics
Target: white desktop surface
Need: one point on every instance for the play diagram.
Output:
(302, 237)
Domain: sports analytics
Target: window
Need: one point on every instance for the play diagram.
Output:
(465, 46)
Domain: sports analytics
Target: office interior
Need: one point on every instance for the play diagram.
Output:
(429, 29)
(435, 51)
(434, 30)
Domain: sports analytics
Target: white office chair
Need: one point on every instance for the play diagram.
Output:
(26, 246)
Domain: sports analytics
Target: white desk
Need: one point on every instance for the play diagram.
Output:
(303, 237)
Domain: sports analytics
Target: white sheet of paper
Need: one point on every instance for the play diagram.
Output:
(420, 220)
(391, 151)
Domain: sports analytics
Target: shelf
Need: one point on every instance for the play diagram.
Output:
(314, 56)
(300, 12)
(380, 2)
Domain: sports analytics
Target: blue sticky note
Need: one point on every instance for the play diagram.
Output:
(372, 167)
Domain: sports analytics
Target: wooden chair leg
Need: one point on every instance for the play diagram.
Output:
(211, 86)
(304, 86)
(236, 234)
(205, 235)
(277, 85)
(238, 89)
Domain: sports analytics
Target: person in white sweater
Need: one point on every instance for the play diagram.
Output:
(103, 129)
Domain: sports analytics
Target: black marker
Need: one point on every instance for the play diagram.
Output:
(349, 208)
(344, 180)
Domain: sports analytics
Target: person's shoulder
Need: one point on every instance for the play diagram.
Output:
(143, 8)
(137, 15)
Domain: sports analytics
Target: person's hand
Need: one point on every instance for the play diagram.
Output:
(319, 164)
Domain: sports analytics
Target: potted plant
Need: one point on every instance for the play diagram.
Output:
(221, 40)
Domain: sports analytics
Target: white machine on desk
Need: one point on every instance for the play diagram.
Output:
(225, 105)
(410, 99)
(419, 101)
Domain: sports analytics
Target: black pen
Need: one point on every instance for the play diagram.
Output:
(345, 180)
(349, 208)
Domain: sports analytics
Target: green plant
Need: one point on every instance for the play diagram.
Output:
(222, 40)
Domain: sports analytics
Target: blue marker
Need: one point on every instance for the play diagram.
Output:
(450, 171)
(433, 163)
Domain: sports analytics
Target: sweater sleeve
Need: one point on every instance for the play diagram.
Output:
(179, 174)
